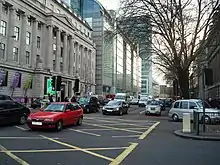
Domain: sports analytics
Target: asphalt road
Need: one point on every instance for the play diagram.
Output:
(128, 140)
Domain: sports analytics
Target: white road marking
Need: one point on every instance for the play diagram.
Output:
(88, 133)
(126, 136)
(142, 112)
(18, 138)
(21, 128)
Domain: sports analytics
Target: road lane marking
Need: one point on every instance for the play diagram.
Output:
(80, 149)
(31, 138)
(21, 128)
(114, 119)
(64, 150)
(124, 154)
(126, 136)
(11, 155)
(142, 112)
(149, 130)
(113, 128)
(107, 129)
(88, 133)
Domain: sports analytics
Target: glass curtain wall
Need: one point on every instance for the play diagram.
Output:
(128, 68)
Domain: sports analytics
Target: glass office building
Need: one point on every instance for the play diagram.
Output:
(116, 60)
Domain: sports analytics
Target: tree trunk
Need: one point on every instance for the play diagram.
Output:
(183, 76)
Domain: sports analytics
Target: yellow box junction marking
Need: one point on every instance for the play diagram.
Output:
(149, 130)
(124, 154)
(113, 128)
(63, 150)
(75, 147)
(11, 155)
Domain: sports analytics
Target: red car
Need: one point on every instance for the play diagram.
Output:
(56, 115)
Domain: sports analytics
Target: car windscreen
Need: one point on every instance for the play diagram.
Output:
(112, 103)
(83, 100)
(55, 108)
(120, 97)
(153, 103)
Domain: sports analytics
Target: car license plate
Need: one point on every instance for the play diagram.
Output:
(36, 123)
(109, 110)
(152, 108)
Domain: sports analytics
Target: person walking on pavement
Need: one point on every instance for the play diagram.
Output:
(66, 99)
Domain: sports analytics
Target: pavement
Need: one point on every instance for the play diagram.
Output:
(128, 140)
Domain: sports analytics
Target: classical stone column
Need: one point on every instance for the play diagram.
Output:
(49, 54)
(43, 45)
(58, 50)
(71, 60)
(10, 41)
(34, 44)
(65, 54)
(23, 39)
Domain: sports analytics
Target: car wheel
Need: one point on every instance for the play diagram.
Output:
(159, 114)
(120, 112)
(175, 117)
(103, 113)
(59, 125)
(79, 121)
(207, 120)
(22, 120)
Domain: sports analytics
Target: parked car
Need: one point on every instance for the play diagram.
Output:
(115, 107)
(153, 107)
(12, 112)
(189, 106)
(134, 101)
(56, 115)
(89, 104)
(142, 102)
(5, 97)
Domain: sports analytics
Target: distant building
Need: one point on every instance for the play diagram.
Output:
(156, 88)
(117, 58)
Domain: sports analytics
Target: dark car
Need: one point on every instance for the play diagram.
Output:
(12, 112)
(115, 107)
(5, 97)
(89, 104)
(162, 105)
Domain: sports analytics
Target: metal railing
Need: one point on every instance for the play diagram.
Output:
(211, 124)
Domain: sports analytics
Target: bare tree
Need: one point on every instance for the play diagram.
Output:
(178, 28)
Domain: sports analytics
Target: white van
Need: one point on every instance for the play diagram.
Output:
(123, 96)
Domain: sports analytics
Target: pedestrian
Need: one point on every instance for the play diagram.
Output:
(66, 99)
(73, 99)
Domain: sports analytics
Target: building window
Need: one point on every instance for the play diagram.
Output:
(85, 31)
(28, 38)
(44, 2)
(80, 28)
(61, 67)
(15, 54)
(18, 16)
(61, 54)
(38, 42)
(58, 11)
(39, 26)
(3, 28)
(29, 21)
(54, 64)
(27, 57)
(16, 33)
(4, 9)
(52, 7)
(2, 50)
(37, 58)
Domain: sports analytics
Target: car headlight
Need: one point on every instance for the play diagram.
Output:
(29, 118)
(103, 108)
(116, 109)
(48, 119)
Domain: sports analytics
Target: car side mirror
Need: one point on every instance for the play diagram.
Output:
(68, 110)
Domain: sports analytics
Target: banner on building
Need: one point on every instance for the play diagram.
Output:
(28, 82)
(16, 80)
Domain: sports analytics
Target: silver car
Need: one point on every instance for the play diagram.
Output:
(189, 106)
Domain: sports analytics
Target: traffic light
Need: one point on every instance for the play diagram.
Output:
(53, 83)
(59, 81)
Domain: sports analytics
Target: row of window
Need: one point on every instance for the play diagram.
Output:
(3, 26)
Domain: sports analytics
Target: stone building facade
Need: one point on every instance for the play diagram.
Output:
(40, 39)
